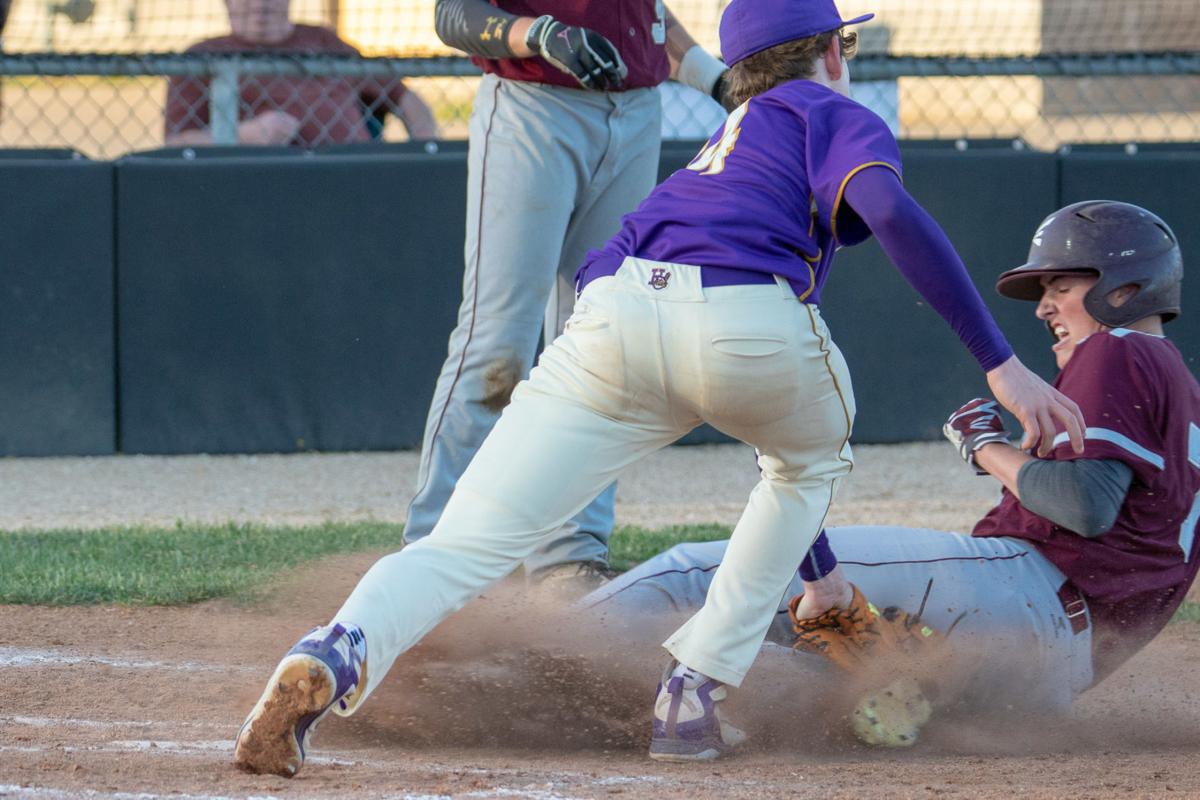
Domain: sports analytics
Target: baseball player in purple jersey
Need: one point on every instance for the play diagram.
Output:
(564, 139)
(703, 308)
(1087, 555)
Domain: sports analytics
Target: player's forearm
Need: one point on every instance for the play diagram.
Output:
(679, 41)
(927, 260)
(481, 29)
(417, 117)
(1003, 462)
(691, 64)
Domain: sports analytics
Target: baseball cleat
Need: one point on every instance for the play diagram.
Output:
(325, 671)
(570, 581)
(688, 724)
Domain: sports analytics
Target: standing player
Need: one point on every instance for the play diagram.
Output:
(1088, 555)
(564, 139)
(656, 346)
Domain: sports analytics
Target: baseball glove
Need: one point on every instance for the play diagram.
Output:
(889, 654)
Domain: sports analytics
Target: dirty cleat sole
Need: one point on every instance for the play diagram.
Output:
(273, 737)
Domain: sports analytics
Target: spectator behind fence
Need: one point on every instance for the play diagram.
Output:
(290, 109)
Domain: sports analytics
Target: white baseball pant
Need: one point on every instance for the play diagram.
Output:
(636, 368)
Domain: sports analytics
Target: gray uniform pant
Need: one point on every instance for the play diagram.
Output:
(1011, 634)
(550, 172)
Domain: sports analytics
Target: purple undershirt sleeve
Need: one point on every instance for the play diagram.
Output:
(820, 560)
(927, 260)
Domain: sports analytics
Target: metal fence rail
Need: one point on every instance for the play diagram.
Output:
(104, 105)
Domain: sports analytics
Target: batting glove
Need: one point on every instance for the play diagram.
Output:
(971, 427)
(584, 54)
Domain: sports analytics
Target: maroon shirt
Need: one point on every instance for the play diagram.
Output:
(1142, 407)
(633, 26)
(330, 110)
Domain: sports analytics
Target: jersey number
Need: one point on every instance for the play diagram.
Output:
(711, 160)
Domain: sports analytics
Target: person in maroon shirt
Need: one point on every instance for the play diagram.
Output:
(565, 134)
(1106, 277)
(283, 110)
(1086, 556)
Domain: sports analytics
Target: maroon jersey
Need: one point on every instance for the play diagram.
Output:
(1142, 407)
(637, 28)
(330, 110)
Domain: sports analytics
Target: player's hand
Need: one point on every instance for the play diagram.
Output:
(825, 594)
(719, 94)
(584, 54)
(892, 659)
(1037, 405)
(269, 127)
(972, 426)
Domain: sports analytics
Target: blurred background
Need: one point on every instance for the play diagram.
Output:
(91, 75)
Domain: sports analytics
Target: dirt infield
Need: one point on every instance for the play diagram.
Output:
(512, 701)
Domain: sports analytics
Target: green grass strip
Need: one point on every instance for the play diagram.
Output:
(191, 563)
(1188, 612)
(167, 566)
(630, 546)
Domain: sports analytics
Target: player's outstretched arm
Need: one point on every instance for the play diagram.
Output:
(927, 260)
(691, 64)
(481, 29)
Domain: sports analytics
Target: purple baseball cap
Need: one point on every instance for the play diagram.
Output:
(751, 26)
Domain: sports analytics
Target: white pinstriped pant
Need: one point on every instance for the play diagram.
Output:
(636, 368)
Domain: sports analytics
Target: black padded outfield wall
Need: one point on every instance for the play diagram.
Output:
(56, 305)
(274, 301)
(1166, 182)
(276, 304)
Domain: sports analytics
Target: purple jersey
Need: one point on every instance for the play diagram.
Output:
(1142, 407)
(765, 194)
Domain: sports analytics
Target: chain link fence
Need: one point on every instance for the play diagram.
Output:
(106, 77)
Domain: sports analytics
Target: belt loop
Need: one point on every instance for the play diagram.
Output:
(1074, 606)
(782, 283)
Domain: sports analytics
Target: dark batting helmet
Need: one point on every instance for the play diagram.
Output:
(1122, 243)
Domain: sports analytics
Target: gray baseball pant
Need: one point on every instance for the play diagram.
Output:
(999, 596)
(550, 172)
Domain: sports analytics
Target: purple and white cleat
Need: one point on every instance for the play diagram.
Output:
(326, 671)
(688, 724)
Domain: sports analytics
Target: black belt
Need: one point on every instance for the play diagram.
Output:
(1074, 606)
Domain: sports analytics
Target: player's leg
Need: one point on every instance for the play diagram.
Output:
(1015, 645)
(521, 188)
(626, 169)
(1023, 649)
(780, 385)
(584, 414)
(763, 371)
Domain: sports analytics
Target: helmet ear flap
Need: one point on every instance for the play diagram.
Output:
(1097, 302)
